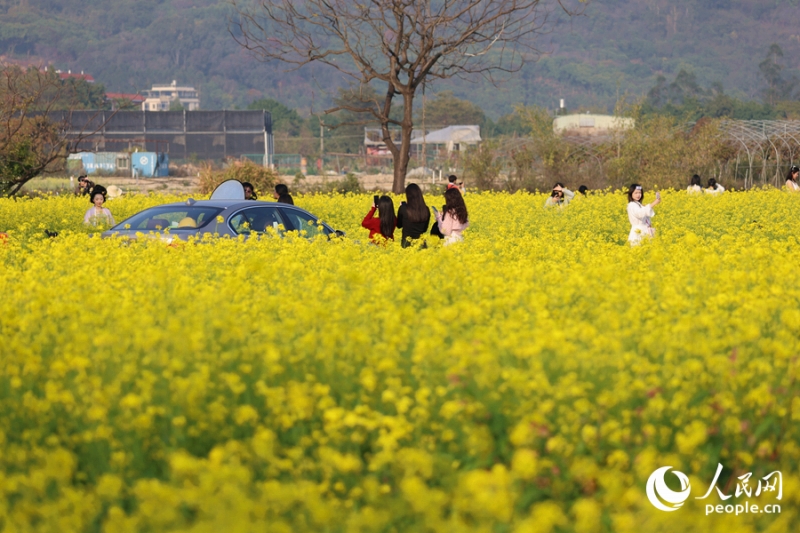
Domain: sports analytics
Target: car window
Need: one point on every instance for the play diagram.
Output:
(174, 218)
(257, 220)
(305, 222)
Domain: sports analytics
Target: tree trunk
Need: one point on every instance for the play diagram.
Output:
(403, 154)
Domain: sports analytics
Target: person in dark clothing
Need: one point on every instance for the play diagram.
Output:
(413, 216)
(249, 191)
(85, 186)
(282, 195)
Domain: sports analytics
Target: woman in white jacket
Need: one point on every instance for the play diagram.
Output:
(639, 215)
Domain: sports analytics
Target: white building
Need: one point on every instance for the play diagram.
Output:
(449, 139)
(591, 125)
(160, 97)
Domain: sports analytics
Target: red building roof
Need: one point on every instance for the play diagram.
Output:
(134, 98)
(88, 78)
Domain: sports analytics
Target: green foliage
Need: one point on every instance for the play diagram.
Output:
(348, 184)
(481, 166)
(620, 46)
(778, 88)
(685, 99)
(31, 143)
(284, 119)
(447, 110)
(17, 161)
(176, 105)
(80, 94)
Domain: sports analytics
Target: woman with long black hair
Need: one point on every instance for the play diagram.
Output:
(695, 186)
(413, 216)
(381, 227)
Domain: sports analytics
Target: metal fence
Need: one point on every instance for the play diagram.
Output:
(185, 134)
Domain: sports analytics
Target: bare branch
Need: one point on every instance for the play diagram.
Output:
(397, 44)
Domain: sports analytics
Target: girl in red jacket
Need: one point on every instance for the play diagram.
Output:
(381, 227)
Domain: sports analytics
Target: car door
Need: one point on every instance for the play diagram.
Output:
(257, 220)
(304, 222)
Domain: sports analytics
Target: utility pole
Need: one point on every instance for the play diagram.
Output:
(321, 140)
(424, 133)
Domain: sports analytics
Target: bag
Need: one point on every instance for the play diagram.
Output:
(435, 230)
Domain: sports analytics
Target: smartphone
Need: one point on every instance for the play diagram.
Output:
(435, 211)
(375, 200)
(658, 196)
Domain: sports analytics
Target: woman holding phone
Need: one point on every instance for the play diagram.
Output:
(381, 227)
(640, 215)
(453, 219)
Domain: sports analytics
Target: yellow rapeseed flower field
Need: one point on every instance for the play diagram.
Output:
(530, 379)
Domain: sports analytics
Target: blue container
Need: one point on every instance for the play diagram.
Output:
(150, 164)
(95, 162)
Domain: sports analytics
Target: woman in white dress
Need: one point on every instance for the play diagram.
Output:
(791, 179)
(640, 215)
(695, 185)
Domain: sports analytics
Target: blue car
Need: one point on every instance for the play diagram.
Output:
(195, 218)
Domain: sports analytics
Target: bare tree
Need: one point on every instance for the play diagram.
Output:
(397, 44)
(34, 125)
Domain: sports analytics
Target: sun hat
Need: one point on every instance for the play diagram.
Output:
(187, 222)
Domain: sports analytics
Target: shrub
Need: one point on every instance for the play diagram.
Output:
(263, 179)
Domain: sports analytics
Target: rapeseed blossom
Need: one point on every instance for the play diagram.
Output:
(528, 379)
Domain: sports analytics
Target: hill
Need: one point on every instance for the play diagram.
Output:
(616, 47)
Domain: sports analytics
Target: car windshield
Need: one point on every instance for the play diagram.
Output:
(176, 218)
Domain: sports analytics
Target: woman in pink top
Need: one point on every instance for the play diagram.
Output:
(98, 215)
(453, 220)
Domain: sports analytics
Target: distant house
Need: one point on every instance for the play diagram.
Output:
(449, 139)
(160, 97)
(124, 100)
(373, 141)
(590, 125)
(69, 75)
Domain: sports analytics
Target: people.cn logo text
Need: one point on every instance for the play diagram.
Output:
(661, 496)
(769, 486)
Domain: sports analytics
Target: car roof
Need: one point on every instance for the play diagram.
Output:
(231, 204)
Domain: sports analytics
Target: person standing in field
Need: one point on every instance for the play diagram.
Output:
(84, 185)
(453, 219)
(714, 187)
(695, 186)
(249, 191)
(639, 215)
(791, 179)
(413, 216)
(282, 195)
(451, 182)
(382, 227)
(97, 214)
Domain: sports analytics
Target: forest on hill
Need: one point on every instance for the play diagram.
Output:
(616, 47)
